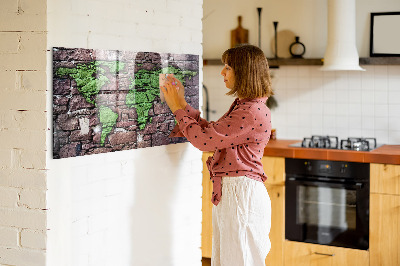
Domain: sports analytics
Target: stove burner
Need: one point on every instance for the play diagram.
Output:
(332, 142)
(328, 142)
(358, 144)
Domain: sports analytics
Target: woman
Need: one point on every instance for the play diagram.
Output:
(242, 208)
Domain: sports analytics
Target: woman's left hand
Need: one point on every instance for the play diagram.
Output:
(170, 90)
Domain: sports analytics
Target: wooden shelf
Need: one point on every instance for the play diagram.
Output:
(274, 63)
(380, 61)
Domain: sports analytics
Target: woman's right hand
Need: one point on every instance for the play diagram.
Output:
(181, 91)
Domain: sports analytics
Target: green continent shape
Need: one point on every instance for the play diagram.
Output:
(108, 119)
(89, 79)
(145, 88)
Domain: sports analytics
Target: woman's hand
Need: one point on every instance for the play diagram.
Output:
(173, 91)
(181, 91)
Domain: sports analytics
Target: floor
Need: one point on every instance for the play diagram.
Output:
(206, 261)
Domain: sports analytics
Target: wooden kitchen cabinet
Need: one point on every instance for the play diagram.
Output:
(305, 254)
(274, 168)
(384, 237)
(385, 178)
(206, 225)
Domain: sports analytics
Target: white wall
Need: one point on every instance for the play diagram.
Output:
(304, 18)
(311, 102)
(23, 133)
(136, 207)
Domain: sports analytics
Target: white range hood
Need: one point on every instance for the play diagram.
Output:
(341, 51)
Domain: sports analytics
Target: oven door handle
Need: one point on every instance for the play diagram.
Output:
(357, 185)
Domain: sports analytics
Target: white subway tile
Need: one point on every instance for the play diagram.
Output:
(381, 97)
(355, 132)
(382, 136)
(342, 122)
(368, 110)
(355, 122)
(394, 110)
(381, 123)
(381, 110)
(367, 96)
(329, 123)
(342, 97)
(380, 71)
(342, 109)
(394, 97)
(291, 71)
(329, 109)
(303, 82)
(367, 83)
(304, 72)
(355, 96)
(394, 123)
(368, 123)
(342, 80)
(394, 137)
(394, 83)
(354, 80)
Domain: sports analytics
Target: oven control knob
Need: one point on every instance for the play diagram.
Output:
(343, 168)
(308, 166)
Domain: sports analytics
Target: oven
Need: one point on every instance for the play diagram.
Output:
(327, 202)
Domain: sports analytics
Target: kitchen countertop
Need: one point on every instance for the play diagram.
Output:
(389, 154)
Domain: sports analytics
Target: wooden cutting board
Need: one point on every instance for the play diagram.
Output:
(239, 35)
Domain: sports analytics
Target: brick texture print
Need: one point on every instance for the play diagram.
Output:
(106, 100)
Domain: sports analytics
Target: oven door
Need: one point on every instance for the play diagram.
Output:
(327, 213)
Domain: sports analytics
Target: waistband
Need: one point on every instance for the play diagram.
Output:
(235, 179)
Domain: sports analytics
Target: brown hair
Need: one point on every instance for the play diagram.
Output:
(250, 66)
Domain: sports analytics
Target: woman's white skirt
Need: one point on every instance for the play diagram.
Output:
(241, 223)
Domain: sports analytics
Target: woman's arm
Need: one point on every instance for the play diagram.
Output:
(174, 93)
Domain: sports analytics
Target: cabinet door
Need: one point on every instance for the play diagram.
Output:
(274, 168)
(206, 226)
(385, 178)
(277, 233)
(384, 236)
(304, 254)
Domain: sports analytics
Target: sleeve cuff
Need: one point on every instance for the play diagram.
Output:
(176, 132)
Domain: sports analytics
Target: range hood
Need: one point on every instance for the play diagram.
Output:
(341, 51)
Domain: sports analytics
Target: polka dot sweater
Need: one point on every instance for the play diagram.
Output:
(238, 139)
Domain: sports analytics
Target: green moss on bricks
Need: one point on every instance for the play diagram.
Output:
(91, 77)
(145, 88)
(108, 119)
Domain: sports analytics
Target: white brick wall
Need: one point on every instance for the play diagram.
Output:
(23, 132)
(137, 207)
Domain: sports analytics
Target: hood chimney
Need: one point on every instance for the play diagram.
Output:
(341, 51)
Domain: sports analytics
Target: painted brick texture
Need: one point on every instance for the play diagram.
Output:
(23, 132)
(124, 207)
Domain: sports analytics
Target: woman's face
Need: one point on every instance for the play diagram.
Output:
(229, 76)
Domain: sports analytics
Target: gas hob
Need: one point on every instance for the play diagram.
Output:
(332, 142)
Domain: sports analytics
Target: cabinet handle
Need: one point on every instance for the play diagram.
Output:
(324, 254)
